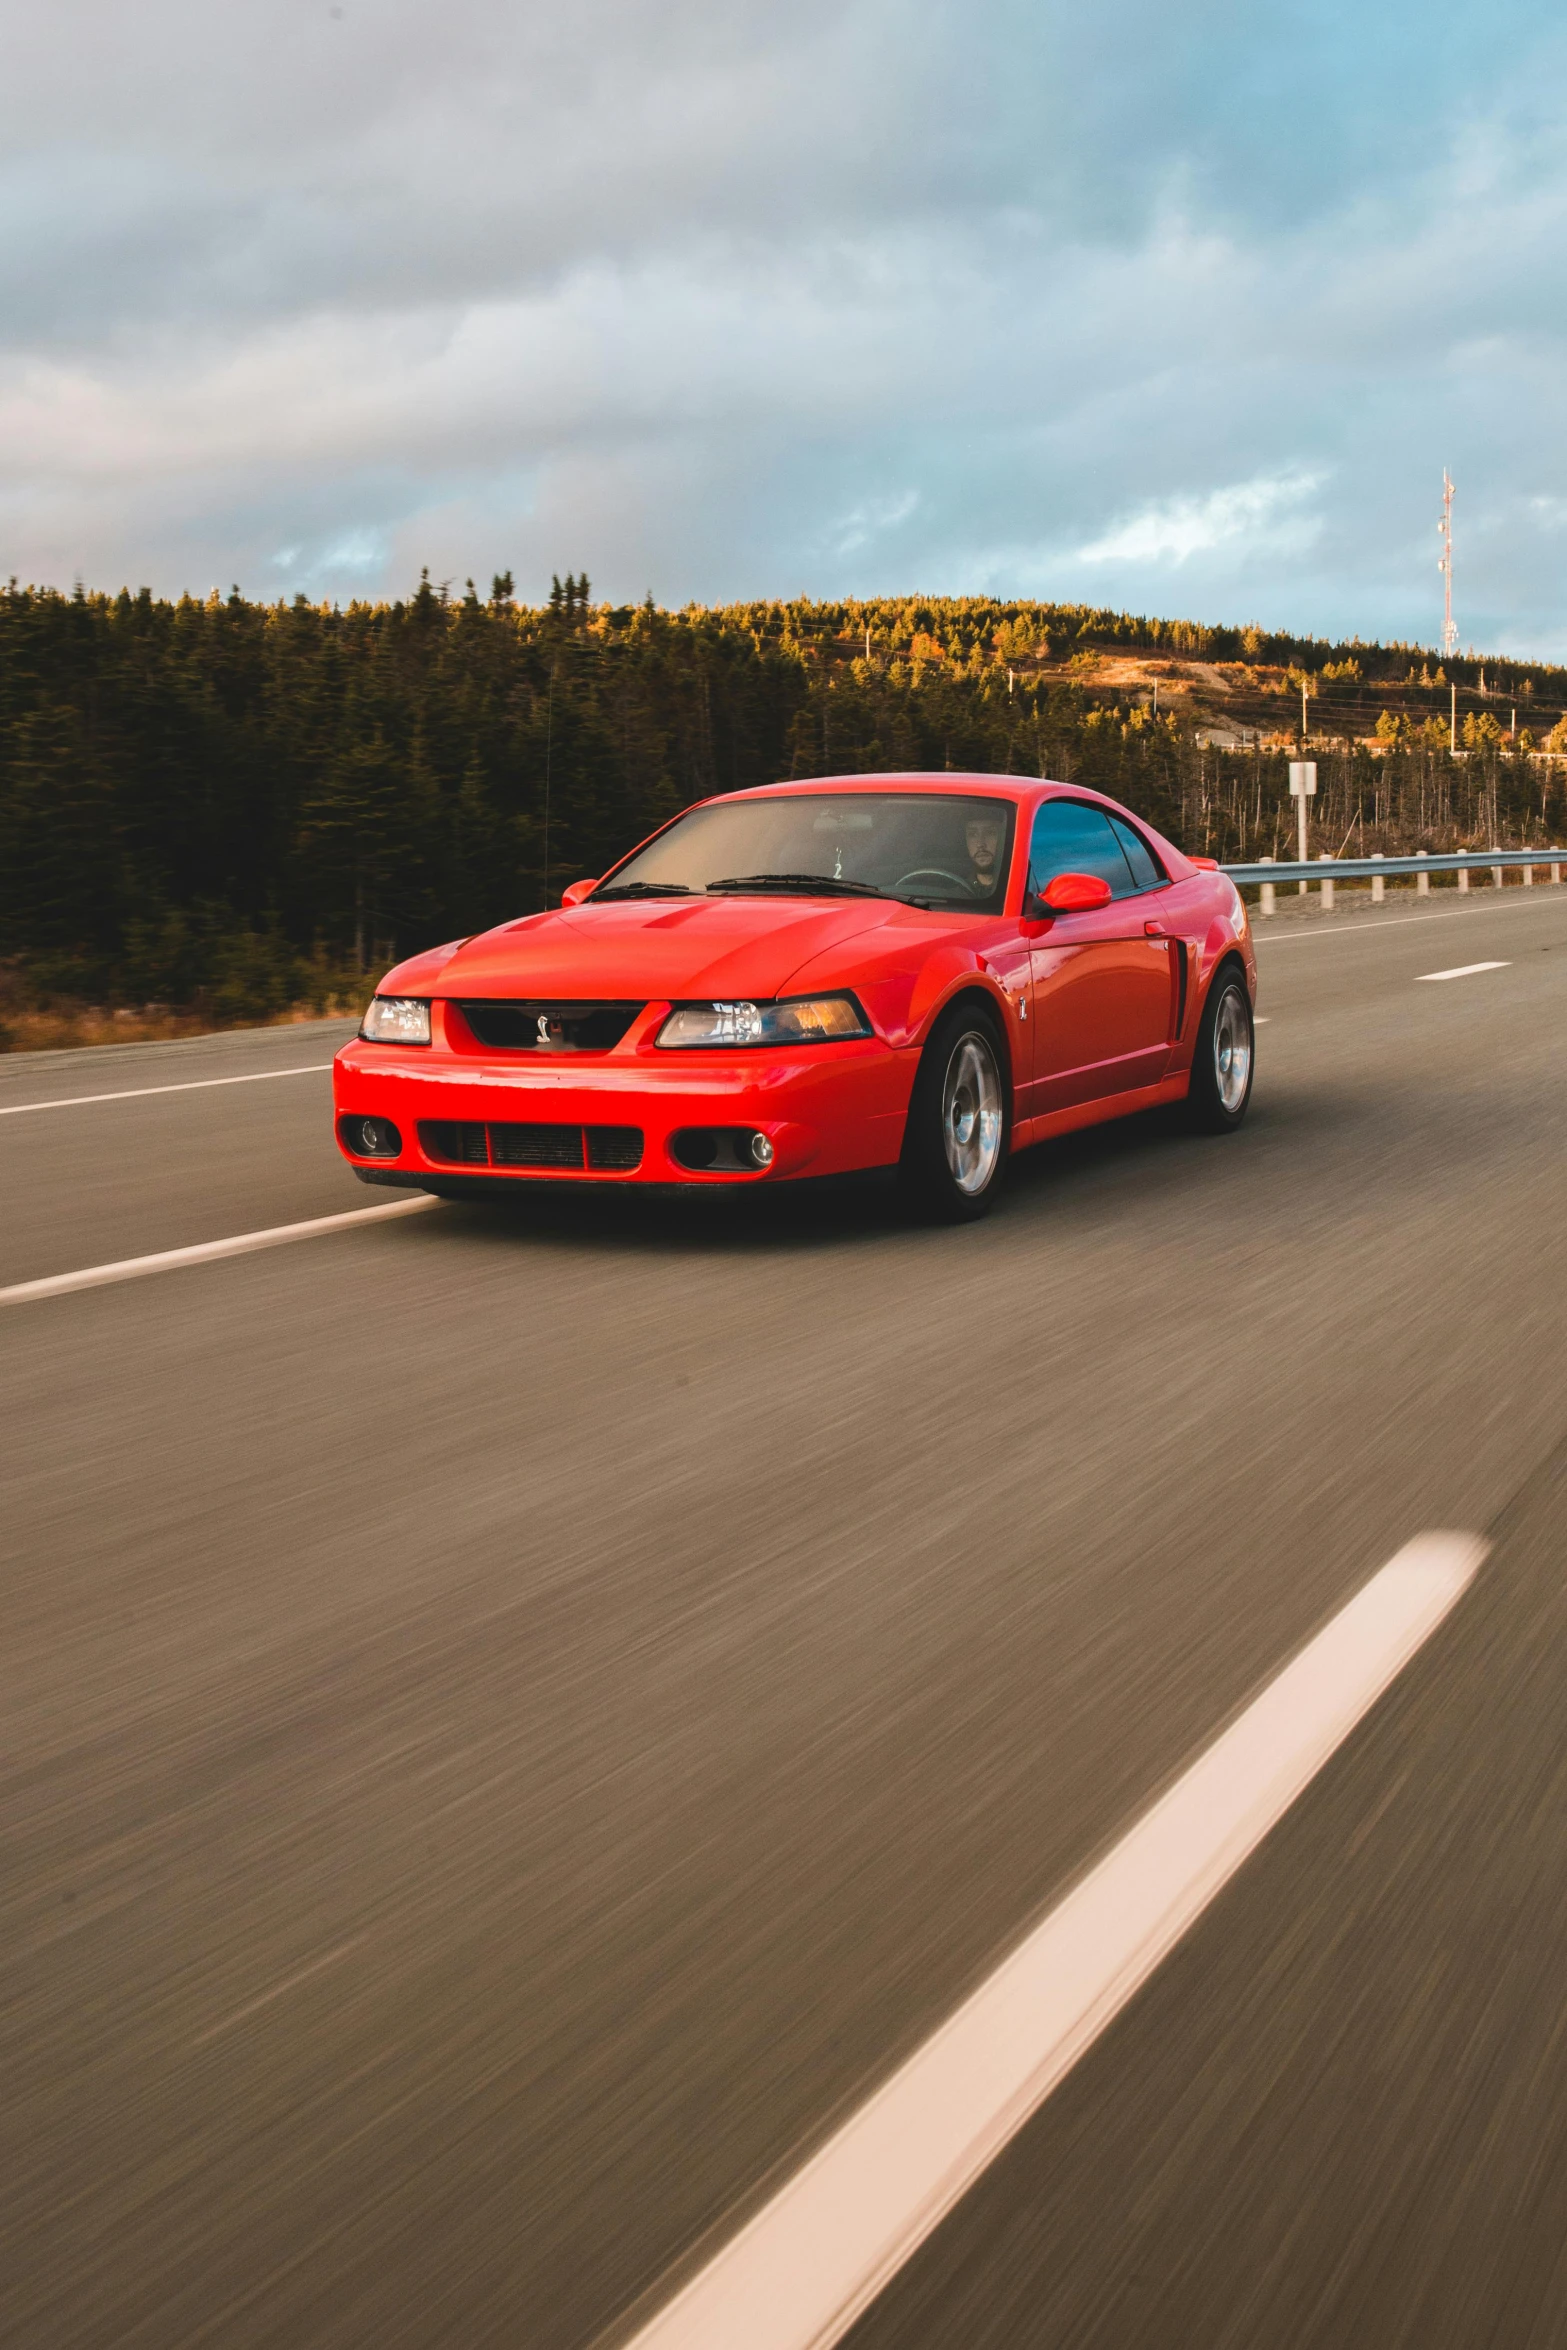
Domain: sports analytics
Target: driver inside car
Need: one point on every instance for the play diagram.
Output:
(982, 836)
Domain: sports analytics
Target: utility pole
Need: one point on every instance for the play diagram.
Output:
(1445, 566)
(1452, 738)
(1303, 713)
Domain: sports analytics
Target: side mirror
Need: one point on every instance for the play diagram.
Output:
(578, 890)
(1075, 893)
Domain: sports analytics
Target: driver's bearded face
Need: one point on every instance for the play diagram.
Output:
(984, 842)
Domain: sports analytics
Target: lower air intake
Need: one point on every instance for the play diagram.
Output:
(459, 1145)
(536, 1146)
(574, 1150)
(614, 1148)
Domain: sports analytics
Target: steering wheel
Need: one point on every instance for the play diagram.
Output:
(934, 873)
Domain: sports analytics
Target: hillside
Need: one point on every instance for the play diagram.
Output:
(1233, 681)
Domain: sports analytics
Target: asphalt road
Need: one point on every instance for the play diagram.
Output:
(513, 1724)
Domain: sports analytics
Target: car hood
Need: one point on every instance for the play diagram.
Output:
(663, 948)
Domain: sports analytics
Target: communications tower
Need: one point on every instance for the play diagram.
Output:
(1445, 566)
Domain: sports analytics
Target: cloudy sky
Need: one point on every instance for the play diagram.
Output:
(1176, 308)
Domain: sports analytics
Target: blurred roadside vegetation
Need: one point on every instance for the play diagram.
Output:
(222, 812)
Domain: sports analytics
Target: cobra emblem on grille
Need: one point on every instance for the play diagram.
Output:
(551, 1031)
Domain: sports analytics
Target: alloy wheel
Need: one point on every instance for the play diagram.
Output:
(1232, 1049)
(971, 1113)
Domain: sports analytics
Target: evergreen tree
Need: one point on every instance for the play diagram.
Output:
(204, 798)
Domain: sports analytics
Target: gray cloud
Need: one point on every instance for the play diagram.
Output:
(1181, 310)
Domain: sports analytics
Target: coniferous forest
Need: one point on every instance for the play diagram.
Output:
(240, 807)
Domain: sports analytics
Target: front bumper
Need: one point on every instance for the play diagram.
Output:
(827, 1109)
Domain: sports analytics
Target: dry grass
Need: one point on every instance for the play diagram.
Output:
(64, 1025)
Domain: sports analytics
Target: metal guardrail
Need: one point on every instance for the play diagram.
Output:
(1331, 869)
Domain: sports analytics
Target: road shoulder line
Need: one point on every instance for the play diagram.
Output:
(243, 1244)
(812, 2260)
(139, 1093)
(1367, 926)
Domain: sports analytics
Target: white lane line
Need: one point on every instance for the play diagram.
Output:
(798, 2274)
(139, 1093)
(1462, 971)
(243, 1244)
(1362, 929)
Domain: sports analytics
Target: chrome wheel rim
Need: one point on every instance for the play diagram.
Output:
(971, 1119)
(1232, 1048)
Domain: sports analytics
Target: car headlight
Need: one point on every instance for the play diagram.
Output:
(809, 1019)
(396, 1019)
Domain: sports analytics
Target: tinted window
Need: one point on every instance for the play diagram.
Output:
(949, 849)
(1071, 838)
(1145, 873)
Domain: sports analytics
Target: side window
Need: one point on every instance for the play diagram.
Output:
(1145, 873)
(1069, 837)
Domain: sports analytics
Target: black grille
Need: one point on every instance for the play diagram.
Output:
(614, 1147)
(461, 1145)
(505, 1027)
(604, 1149)
(536, 1146)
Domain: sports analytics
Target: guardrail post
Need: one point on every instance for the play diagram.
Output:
(1325, 857)
(1528, 877)
(1422, 880)
(1463, 877)
(1378, 885)
(1267, 888)
(1556, 875)
(1496, 871)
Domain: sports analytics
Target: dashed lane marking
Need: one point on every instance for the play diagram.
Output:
(139, 1093)
(1463, 971)
(804, 2268)
(243, 1244)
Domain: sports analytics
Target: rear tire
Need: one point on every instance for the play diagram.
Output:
(959, 1129)
(1225, 1058)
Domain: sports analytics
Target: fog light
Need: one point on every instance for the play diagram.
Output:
(761, 1150)
(370, 1138)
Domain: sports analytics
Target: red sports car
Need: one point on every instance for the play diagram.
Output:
(913, 972)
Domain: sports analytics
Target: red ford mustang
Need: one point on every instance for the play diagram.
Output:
(920, 972)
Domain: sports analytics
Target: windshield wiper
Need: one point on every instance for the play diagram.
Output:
(643, 889)
(825, 885)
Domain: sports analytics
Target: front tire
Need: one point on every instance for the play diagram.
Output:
(959, 1130)
(1224, 1060)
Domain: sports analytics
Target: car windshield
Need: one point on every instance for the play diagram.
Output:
(931, 848)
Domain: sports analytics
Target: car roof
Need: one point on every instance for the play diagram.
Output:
(1015, 787)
